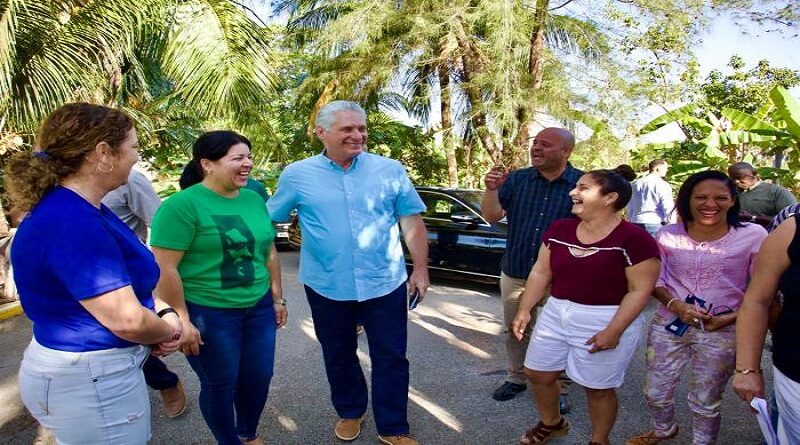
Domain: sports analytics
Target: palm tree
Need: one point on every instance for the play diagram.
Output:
(196, 61)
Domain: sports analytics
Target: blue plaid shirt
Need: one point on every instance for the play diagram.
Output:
(531, 203)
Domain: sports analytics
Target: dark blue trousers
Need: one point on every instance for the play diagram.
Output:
(235, 367)
(385, 323)
(156, 374)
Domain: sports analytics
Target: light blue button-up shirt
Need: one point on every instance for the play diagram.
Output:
(651, 201)
(351, 238)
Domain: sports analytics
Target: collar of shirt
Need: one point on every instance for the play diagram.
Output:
(753, 186)
(568, 171)
(333, 164)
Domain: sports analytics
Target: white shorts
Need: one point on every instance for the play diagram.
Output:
(559, 343)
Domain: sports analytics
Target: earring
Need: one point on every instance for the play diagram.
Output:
(110, 169)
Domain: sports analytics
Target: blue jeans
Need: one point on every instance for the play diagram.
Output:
(234, 367)
(157, 375)
(385, 323)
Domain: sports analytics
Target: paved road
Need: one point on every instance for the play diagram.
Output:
(456, 356)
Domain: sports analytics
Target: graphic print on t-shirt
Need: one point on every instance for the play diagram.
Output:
(238, 247)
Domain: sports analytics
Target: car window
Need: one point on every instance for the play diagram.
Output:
(443, 207)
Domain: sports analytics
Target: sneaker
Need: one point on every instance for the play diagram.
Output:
(563, 403)
(403, 439)
(348, 429)
(174, 400)
(650, 438)
(507, 391)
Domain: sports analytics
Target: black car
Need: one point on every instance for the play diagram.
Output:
(460, 240)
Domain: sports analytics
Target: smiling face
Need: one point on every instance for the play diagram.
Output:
(709, 203)
(551, 149)
(346, 138)
(588, 198)
(230, 172)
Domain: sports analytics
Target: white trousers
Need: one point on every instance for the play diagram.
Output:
(787, 394)
(87, 398)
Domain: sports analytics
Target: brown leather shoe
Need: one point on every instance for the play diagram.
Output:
(404, 439)
(348, 429)
(174, 400)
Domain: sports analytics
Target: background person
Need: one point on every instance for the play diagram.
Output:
(530, 199)
(651, 204)
(85, 281)
(776, 269)
(351, 265)
(135, 203)
(708, 256)
(759, 201)
(601, 270)
(220, 270)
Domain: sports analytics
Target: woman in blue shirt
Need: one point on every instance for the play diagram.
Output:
(85, 281)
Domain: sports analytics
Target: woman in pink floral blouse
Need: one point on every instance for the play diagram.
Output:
(706, 264)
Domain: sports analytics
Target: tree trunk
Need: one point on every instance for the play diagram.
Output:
(472, 63)
(447, 125)
(518, 157)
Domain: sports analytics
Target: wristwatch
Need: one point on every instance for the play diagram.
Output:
(746, 371)
(280, 301)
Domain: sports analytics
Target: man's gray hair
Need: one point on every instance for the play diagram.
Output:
(327, 114)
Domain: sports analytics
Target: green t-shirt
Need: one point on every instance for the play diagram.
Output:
(226, 244)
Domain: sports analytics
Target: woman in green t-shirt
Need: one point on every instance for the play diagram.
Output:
(214, 243)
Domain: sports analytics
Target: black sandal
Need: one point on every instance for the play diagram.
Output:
(542, 433)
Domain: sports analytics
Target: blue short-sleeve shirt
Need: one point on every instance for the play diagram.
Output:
(349, 219)
(67, 250)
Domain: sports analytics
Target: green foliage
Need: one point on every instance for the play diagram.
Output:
(746, 91)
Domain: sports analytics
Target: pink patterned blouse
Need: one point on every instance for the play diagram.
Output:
(716, 271)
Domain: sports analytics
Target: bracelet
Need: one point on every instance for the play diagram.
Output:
(280, 301)
(167, 310)
(670, 302)
(745, 371)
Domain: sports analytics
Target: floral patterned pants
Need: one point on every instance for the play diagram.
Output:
(711, 358)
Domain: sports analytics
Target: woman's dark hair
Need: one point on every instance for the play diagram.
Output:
(683, 203)
(212, 145)
(611, 181)
(626, 171)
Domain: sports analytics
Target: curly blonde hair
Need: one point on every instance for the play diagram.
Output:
(64, 140)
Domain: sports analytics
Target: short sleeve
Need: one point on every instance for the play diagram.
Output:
(661, 282)
(174, 224)
(506, 191)
(640, 246)
(285, 198)
(88, 262)
(554, 231)
(142, 200)
(759, 233)
(408, 201)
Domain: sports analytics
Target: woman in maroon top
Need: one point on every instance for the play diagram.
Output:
(601, 271)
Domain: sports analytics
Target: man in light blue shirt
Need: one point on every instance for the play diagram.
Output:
(651, 204)
(350, 203)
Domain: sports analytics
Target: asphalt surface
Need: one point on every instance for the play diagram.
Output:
(457, 359)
